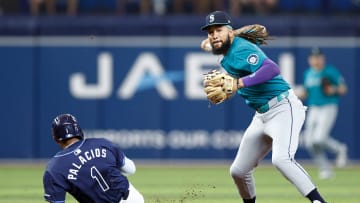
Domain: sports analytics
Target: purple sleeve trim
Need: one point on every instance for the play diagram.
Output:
(267, 70)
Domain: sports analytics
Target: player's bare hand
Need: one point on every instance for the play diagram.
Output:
(206, 46)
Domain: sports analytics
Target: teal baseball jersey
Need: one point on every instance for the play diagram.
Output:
(244, 58)
(312, 84)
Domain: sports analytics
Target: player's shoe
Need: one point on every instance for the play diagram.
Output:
(341, 158)
(326, 174)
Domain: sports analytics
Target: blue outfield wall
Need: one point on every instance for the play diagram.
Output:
(138, 83)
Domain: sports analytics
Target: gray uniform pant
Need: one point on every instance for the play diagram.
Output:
(278, 130)
(319, 123)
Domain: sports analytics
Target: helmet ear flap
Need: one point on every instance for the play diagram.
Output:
(78, 131)
(54, 134)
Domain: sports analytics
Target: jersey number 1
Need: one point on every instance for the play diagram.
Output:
(95, 174)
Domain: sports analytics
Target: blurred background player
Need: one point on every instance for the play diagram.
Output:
(323, 85)
(91, 170)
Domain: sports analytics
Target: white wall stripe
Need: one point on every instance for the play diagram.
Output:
(168, 41)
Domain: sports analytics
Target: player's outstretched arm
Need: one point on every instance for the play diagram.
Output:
(129, 167)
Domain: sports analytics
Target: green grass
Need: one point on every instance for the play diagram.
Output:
(190, 184)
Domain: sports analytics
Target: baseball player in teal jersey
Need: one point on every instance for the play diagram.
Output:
(279, 114)
(323, 85)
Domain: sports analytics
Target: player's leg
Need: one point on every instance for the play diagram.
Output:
(316, 134)
(134, 196)
(340, 149)
(310, 125)
(326, 117)
(330, 143)
(284, 127)
(253, 147)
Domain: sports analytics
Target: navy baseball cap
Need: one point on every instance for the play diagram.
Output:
(315, 51)
(216, 18)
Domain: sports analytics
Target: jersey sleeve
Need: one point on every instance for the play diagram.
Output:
(53, 192)
(116, 151)
(123, 163)
(245, 58)
(335, 76)
(250, 59)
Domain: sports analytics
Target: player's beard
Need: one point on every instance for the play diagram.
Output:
(224, 47)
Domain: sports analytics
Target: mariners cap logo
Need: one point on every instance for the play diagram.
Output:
(211, 18)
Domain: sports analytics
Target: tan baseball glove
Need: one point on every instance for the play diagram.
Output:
(219, 86)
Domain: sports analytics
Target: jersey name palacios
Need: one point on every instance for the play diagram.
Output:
(89, 170)
(244, 58)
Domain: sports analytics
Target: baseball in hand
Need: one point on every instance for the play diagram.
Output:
(206, 46)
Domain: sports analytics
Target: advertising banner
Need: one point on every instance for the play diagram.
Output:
(144, 93)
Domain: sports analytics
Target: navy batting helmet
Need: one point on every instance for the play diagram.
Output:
(65, 126)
